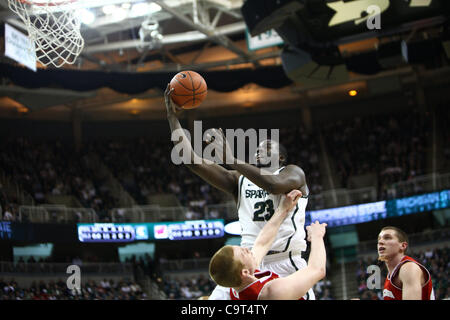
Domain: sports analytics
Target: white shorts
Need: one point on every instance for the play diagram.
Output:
(283, 264)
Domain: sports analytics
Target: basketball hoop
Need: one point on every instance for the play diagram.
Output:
(54, 27)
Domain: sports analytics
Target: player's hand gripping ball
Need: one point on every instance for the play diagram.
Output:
(189, 89)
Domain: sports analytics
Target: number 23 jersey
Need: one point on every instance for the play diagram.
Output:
(256, 206)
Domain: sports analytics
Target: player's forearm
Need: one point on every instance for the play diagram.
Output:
(268, 233)
(412, 292)
(318, 256)
(179, 139)
(412, 288)
(174, 123)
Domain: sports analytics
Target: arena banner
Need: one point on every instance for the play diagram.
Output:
(129, 232)
(5, 230)
(354, 214)
(19, 47)
(367, 212)
(419, 203)
(207, 229)
(272, 77)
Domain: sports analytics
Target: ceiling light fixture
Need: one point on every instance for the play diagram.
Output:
(109, 9)
(87, 16)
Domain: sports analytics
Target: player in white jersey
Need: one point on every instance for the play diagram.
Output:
(257, 196)
(255, 207)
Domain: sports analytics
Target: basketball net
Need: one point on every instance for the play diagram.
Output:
(54, 27)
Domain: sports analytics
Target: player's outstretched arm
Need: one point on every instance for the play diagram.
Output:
(410, 275)
(297, 284)
(214, 174)
(268, 233)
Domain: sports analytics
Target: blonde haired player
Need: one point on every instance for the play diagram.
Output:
(237, 267)
(256, 195)
(407, 279)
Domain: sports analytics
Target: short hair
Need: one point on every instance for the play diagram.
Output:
(224, 269)
(401, 235)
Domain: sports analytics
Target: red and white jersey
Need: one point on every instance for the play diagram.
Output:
(253, 290)
(392, 292)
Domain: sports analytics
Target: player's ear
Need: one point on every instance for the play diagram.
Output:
(404, 246)
(245, 273)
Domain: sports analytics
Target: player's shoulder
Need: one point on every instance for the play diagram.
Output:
(409, 264)
(409, 268)
(235, 174)
(293, 168)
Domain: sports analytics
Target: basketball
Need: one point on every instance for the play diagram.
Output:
(189, 89)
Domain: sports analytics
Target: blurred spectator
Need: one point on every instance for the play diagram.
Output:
(187, 288)
(322, 290)
(326, 295)
(58, 291)
(77, 261)
(393, 147)
(7, 215)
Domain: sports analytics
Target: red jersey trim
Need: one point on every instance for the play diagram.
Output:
(269, 275)
(259, 275)
(404, 260)
(262, 277)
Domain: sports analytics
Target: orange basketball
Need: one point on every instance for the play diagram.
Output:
(189, 89)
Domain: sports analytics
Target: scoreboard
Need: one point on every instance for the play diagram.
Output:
(129, 232)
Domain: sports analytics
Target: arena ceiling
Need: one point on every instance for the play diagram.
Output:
(112, 30)
(191, 34)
